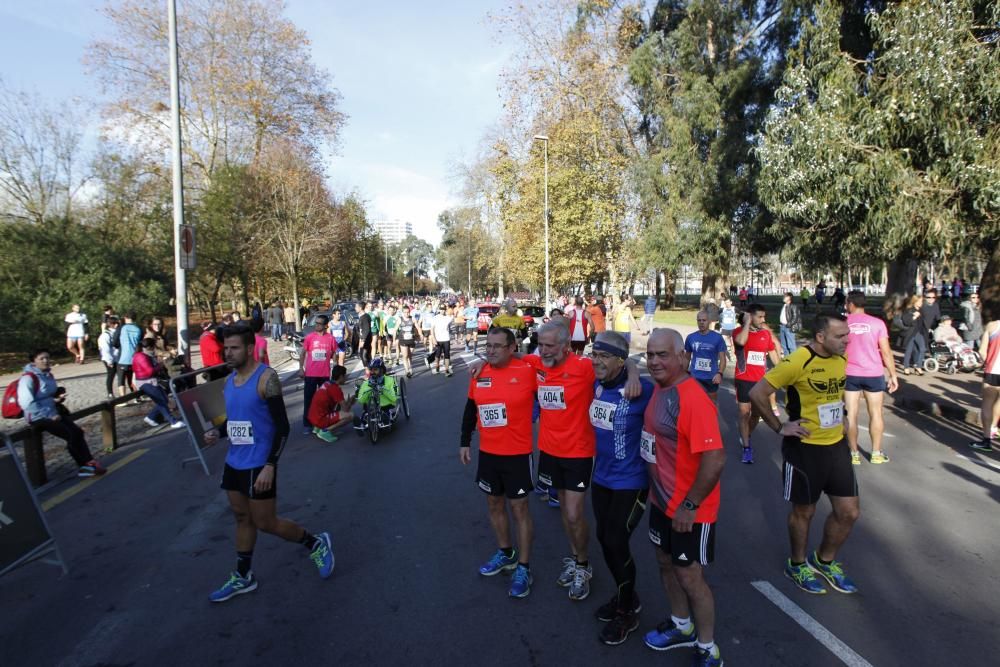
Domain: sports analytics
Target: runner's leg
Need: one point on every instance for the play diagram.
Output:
(525, 528)
(798, 530)
(852, 404)
(838, 525)
(990, 411)
(876, 424)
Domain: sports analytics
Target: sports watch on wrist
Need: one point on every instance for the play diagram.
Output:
(688, 505)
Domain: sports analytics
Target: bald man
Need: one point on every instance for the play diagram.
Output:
(682, 446)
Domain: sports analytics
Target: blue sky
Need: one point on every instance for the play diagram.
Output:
(419, 83)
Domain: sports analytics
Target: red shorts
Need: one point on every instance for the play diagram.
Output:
(326, 421)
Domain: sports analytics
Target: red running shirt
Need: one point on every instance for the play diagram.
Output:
(504, 398)
(751, 359)
(564, 396)
(323, 410)
(681, 422)
(211, 349)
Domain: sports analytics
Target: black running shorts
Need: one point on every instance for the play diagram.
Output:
(698, 546)
(812, 470)
(242, 481)
(442, 350)
(570, 474)
(991, 379)
(500, 475)
(743, 388)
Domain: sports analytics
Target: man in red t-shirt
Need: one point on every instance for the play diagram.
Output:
(211, 350)
(501, 400)
(682, 444)
(328, 409)
(754, 343)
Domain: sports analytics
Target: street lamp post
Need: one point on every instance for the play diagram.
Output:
(545, 148)
(180, 276)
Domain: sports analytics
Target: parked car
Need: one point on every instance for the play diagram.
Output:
(487, 311)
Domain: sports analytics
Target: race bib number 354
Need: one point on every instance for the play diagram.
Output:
(647, 447)
(755, 358)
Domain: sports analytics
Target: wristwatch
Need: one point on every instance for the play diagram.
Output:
(688, 505)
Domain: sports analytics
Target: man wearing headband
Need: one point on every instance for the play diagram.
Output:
(620, 482)
(706, 354)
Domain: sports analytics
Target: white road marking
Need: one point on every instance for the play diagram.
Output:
(811, 625)
(979, 462)
(884, 433)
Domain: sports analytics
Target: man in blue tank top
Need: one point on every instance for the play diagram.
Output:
(621, 479)
(257, 427)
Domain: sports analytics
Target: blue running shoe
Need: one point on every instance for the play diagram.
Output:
(553, 501)
(703, 658)
(666, 636)
(541, 489)
(747, 454)
(520, 582)
(236, 585)
(803, 577)
(833, 573)
(498, 563)
(322, 555)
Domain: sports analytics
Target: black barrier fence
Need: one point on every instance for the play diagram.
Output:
(24, 533)
(202, 407)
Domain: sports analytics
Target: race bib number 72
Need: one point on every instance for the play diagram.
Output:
(831, 414)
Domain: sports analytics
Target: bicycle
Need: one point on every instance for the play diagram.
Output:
(371, 411)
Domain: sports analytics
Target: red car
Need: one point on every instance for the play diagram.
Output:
(486, 313)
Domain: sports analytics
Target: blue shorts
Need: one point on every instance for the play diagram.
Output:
(872, 385)
(709, 386)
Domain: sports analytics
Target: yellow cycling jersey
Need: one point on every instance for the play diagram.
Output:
(815, 393)
(506, 321)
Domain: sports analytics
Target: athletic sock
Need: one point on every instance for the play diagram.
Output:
(243, 562)
(309, 541)
(508, 552)
(682, 624)
(794, 564)
(823, 562)
(525, 565)
(710, 647)
(583, 564)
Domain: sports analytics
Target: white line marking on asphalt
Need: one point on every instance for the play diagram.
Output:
(979, 462)
(811, 625)
(884, 434)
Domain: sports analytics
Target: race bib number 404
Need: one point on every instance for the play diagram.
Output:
(240, 433)
(493, 415)
(602, 415)
(551, 398)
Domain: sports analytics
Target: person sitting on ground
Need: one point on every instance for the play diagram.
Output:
(149, 373)
(41, 400)
(388, 395)
(329, 410)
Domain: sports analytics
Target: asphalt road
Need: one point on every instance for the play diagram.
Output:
(148, 542)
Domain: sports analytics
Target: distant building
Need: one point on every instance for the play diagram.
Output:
(393, 231)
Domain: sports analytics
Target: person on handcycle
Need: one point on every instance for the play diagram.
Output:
(388, 394)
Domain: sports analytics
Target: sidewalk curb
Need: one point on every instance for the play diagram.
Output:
(936, 408)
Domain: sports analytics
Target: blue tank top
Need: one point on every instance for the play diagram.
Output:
(337, 329)
(617, 423)
(250, 426)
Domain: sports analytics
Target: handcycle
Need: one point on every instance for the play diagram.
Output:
(371, 420)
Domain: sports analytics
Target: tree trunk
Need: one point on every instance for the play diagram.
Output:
(900, 282)
(989, 286)
(712, 286)
(669, 289)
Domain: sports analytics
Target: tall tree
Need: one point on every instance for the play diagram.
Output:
(246, 75)
(893, 156)
(39, 154)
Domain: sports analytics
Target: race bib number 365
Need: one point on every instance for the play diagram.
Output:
(240, 433)
(602, 415)
(493, 415)
(551, 398)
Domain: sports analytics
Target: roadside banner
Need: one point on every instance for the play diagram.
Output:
(202, 407)
(24, 532)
